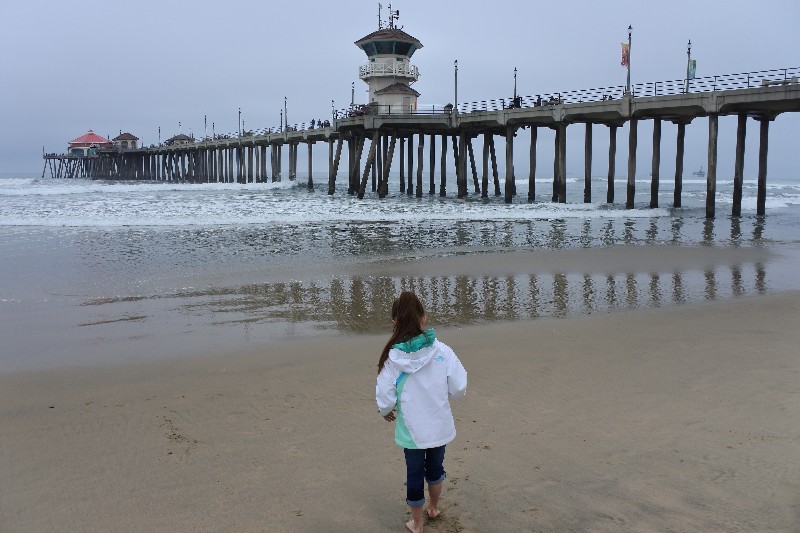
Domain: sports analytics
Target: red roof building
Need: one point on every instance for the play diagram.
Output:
(88, 144)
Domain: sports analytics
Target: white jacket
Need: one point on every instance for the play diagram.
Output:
(418, 378)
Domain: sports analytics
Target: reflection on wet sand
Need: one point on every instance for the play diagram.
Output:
(359, 304)
(465, 271)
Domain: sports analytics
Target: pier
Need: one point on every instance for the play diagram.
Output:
(393, 131)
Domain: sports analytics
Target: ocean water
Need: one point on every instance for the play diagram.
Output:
(102, 272)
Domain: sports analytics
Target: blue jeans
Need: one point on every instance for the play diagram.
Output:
(421, 466)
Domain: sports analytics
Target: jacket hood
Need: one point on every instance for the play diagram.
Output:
(413, 354)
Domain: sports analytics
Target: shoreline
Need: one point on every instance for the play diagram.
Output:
(655, 419)
(209, 313)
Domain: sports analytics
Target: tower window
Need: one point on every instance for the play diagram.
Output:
(402, 49)
(384, 47)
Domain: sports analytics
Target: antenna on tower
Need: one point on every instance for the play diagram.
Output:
(380, 22)
(393, 15)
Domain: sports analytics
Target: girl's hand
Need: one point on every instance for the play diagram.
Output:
(390, 417)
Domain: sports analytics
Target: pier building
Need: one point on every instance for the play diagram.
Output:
(389, 73)
(125, 141)
(393, 131)
(88, 144)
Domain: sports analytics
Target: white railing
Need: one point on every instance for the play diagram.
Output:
(389, 69)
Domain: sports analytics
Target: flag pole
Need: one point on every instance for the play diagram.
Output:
(628, 83)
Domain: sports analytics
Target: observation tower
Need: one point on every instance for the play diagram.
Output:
(389, 73)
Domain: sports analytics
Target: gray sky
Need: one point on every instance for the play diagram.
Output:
(135, 66)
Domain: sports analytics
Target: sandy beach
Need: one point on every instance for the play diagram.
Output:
(673, 419)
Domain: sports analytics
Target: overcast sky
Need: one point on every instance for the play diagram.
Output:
(137, 66)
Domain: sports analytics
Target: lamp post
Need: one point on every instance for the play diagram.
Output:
(352, 94)
(240, 122)
(213, 135)
(688, 63)
(159, 135)
(281, 121)
(515, 84)
(285, 113)
(333, 111)
(455, 104)
(628, 83)
(205, 127)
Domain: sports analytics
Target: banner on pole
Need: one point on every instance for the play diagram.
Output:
(626, 54)
(692, 68)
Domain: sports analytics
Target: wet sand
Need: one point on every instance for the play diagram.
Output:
(674, 419)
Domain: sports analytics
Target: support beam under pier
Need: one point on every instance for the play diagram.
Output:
(612, 162)
(738, 167)
(680, 142)
(711, 177)
(763, 148)
(654, 172)
(532, 165)
(587, 165)
(510, 130)
(632, 140)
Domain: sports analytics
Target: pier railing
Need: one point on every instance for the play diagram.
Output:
(725, 82)
(395, 110)
(389, 69)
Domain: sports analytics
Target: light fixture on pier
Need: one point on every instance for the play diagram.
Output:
(515, 84)
(455, 104)
(285, 113)
(688, 64)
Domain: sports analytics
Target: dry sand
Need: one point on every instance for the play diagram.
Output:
(678, 419)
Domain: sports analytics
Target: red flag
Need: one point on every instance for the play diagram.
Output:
(626, 54)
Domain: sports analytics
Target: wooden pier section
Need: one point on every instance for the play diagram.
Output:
(375, 140)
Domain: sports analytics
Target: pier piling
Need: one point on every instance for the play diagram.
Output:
(510, 130)
(587, 165)
(612, 162)
(676, 201)
(632, 140)
(711, 177)
(654, 172)
(763, 147)
(738, 167)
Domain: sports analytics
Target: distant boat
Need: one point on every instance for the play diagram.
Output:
(699, 173)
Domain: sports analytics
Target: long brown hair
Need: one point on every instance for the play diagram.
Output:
(407, 315)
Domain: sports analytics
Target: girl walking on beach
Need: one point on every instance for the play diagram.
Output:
(417, 374)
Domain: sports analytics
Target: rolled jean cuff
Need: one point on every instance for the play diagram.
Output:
(438, 481)
(417, 503)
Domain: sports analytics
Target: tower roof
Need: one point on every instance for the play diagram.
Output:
(126, 137)
(179, 137)
(389, 34)
(397, 88)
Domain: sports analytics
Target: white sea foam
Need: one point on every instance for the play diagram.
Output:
(51, 187)
(87, 203)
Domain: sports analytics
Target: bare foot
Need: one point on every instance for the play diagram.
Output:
(412, 527)
(433, 513)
